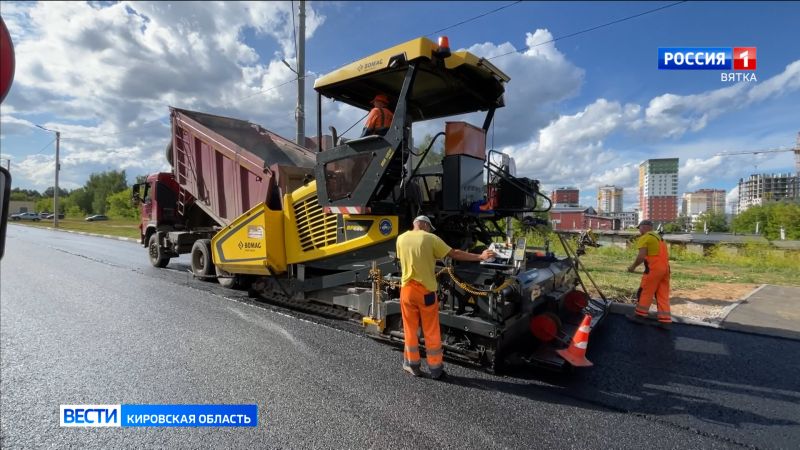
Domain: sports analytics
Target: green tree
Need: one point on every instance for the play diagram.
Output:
(770, 217)
(61, 192)
(119, 205)
(81, 199)
(784, 215)
(28, 195)
(715, 222)
(101, 185)
(44, 205)
(434, 156)
(75, 212)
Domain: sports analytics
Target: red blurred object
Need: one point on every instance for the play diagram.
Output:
(545, 327)
(575, 301)
(6, 60)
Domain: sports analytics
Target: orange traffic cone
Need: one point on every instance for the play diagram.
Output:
(575, 354)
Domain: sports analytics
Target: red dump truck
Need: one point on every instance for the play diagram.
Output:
(221, 168)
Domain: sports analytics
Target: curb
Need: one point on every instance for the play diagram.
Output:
(107, 236)
(625, 308)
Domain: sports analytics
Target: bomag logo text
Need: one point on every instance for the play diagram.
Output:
(370, 65)
(249, 245)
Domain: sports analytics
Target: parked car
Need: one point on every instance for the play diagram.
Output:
(26, 216)
(96, 217)
(50, 216)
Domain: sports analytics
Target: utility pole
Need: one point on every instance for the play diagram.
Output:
(58, 167)
(55, 191)
(301, 78)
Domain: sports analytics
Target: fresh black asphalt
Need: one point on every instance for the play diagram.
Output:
(87, 320)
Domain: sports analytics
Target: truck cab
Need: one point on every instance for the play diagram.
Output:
(157, 198)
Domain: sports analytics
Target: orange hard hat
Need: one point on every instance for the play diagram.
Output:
(380, 98)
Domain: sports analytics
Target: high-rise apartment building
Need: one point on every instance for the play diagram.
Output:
(566, 196)
(700, 201)
(760, 188)
(609, 200)
(658, 189)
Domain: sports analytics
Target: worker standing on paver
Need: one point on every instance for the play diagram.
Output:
(418, 250)
(655, 279)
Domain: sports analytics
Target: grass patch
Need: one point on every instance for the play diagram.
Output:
(115, 227)
(753, 264)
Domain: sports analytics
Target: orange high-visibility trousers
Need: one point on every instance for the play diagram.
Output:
(655, 283)
(417, 305)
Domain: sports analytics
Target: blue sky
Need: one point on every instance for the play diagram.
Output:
(582, 111)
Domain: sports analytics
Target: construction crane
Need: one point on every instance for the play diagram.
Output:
(796, 151)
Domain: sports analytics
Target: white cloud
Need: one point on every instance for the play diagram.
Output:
(673, 115)
(541, 77)
(14, 125)
(110, 71)
(570, 149)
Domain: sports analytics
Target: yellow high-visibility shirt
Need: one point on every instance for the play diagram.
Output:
(649, 240)
(418, 251)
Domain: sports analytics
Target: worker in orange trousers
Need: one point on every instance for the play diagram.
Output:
(418, 250)
(654, 254)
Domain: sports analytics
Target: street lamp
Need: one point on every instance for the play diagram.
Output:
(58, 167)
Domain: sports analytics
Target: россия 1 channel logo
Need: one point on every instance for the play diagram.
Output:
(740, 62)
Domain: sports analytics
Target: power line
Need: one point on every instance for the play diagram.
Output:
(303, 77)
(593, 28)
(754, 152)
(48, 145)
(264, 91)
(474, 18)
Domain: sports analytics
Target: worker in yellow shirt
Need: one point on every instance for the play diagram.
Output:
(418, 250)
(655, 279)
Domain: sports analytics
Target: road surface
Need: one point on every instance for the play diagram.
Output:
(86, 320)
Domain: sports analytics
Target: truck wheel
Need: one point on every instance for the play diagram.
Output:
(157, 258)
(229, 280)
(202, 266)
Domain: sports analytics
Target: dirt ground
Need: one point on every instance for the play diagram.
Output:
(708, 302)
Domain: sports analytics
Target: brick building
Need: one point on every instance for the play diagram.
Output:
(566, 196)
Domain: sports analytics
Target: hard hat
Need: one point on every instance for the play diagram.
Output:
(380, 98)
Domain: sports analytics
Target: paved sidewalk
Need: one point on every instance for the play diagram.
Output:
(772, 310)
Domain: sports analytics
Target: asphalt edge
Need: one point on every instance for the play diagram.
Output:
(718, 323)
(107, 236)
(627, 308)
